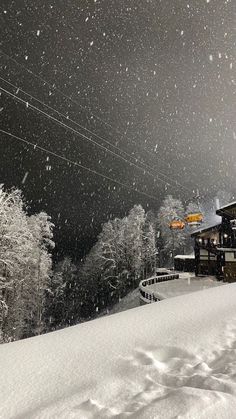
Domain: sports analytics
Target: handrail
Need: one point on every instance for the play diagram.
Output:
(151, 296)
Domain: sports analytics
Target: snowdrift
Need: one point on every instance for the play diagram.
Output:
(174, 358)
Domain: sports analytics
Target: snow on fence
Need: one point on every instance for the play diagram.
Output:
(148, 295)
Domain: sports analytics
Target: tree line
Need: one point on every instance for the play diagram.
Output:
(25, 267)
(37, 296)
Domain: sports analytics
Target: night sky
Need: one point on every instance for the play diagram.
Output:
(156, 79)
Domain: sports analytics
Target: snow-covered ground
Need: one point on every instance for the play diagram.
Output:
(131, 300)
(183, 285)
(171, 359)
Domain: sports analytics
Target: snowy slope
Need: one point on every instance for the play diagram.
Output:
(131, 300)
(175, 358)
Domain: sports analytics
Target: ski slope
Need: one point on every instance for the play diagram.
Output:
(171, 359)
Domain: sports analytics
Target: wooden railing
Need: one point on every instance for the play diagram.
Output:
(148, 295)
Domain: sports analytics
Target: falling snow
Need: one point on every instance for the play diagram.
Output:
(108, 106)
(166, 67)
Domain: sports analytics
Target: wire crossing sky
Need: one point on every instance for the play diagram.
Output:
(73, 163)
(155, 79)
(160, 176)
(77, 103)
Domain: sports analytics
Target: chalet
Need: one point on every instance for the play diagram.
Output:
(184, 263)
(215, 246)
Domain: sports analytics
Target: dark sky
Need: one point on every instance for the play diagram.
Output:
(155, 78)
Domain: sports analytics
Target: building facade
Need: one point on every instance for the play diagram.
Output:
(215, 246)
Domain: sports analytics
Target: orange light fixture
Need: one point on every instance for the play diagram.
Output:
(177, 225)
(195, 218)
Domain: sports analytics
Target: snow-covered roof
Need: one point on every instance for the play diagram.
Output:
(204, 229)
(223, 210)
(172, 358)
(192, 256)
(231, 204)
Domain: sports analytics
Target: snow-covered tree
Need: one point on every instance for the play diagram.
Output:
(41, 228)
(173, 241)
(124, 252)
(20, 251)
(109, 252)
(16, 241)
(149, 247)
(90, 274)
(134, 241)
(63, 306)
(191, 208)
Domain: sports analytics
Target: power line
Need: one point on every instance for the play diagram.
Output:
(67, 118)
(91, 132)
(102, 138)
(175, 182)
(52, 86)
(29, 105)
(72, 162)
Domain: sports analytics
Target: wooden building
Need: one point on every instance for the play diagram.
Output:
(185, 263)
(215, 246)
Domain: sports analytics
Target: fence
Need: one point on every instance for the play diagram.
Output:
(148, 295)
